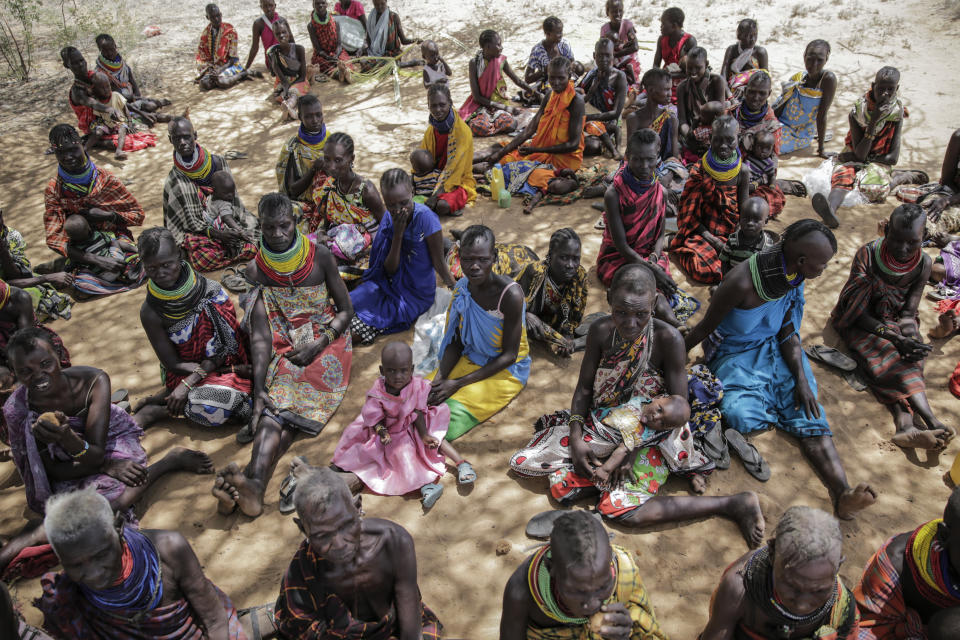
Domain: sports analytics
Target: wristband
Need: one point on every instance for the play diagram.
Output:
(186, 384)
(575, 417)
(330, 333)
(200, 372)
(79, 454)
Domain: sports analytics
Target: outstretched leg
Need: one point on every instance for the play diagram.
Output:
(742, 508)
(920, 405)
(823, 457)
(31, 535)
(249, 485)
(908, 436)
(180, 459)
(826, 207)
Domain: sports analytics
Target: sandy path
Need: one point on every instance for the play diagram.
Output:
(460, 575)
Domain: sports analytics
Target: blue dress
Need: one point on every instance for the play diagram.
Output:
(394, 302)
(758, 387)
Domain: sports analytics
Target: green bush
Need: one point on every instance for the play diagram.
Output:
(17, 20)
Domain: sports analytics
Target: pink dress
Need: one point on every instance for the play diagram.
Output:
(355, 10)
(405, 464)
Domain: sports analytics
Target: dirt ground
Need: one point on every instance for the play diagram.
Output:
(461, 577)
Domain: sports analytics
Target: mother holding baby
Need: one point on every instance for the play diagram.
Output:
(630, 359)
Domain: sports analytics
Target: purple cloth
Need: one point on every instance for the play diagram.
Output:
(951, 263)
(123, 443)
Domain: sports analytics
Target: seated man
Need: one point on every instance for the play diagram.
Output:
(910, 583)
(753, 325)
(710, 204)
(788, 589)
(876, 315)
(185, 192)
(352, 577)
(556, 131)
(578, 586)
(218, 65)
(85, 189)
(555, 293)
(605, 89)
(870, 150)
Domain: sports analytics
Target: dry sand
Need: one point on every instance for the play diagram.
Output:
(461, 577)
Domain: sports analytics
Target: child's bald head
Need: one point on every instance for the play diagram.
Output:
(665, 413)
(223, 186)
(101, 86)
(396, 366)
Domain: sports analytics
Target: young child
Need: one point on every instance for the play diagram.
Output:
(663, 413)
(396, 445)
(657, 113)
(435, 68)
(108, 124)
(745, 55)
(625, 46)
(425, 175)
(605, 89)
(104, 244)
(749, 237)
(673, 45)
(697, 139)
(221, 212)
(762, 160)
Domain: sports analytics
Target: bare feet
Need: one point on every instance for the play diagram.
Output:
(249, 491)
(746, 512)
(853, 500)
(183, 459)
(698, 483)
(822, 207)
(914, 438)
(226, 495)
(946, 327)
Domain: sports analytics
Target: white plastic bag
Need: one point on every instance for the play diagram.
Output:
(428, 332)
(818, 181)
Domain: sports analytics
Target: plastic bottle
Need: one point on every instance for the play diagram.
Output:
(503, 201)
(496, 181)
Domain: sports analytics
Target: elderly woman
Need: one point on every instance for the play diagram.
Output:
(299, 318)
(484, 358)
(65, 435)
(450, 142)
(300, 167)
(631, 358)
(348, 206)
(193, 329)
(399, 285)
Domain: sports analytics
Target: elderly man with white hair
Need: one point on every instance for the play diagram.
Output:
(789, 588)
(118, 582)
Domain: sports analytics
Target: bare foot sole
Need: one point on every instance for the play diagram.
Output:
(190, 460)
(698, 483)
(947, 325)
(822, 207)
(226, 495)
(854, 500)
(746, 511)
(916, 439)
(249, 492)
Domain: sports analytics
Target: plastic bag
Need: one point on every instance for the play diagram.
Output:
(428, 333)
(818, 181)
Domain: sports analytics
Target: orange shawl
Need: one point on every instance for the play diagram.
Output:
(554, 128)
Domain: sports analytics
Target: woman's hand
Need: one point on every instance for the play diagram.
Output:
(431, 442)
(177, 401)
(305, 354)
(534, 326)
(126, 471)
(624, 471)
(60, 279)
(805, 399)
(664, 282)
(585, 462)
(440, 390)
(936, 208)
(910, 349)
(616, 624)
(53, 433)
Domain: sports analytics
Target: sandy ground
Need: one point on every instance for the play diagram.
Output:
(461, 577)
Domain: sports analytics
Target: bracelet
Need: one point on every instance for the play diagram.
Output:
(881, 330)
(186, 384)
(79, 454)
(200, 372)
(575, 417)
(379, 428)
(330, 333)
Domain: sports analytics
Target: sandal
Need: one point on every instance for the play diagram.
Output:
(465, 473)
(287, 490)
(584, 327)
(794, 188)
(430, 493)
(855, 380)
(714, 446)
(540, 526)
(119, 396)
(234, 280)
(829, 355)
(753, 462)
(822, 207)
(600, 224)
(253, 614)
(246, 433)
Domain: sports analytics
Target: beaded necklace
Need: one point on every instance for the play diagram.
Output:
(929, 563)
(445, 125)
(318, 21)
(768, 272)
(114, 66)
(80, 184)
(142, 590)
(722, 170)
(313, 141)
(750, 118)
(288, 267)
(890, 265)
(198, 167)
(178, 302)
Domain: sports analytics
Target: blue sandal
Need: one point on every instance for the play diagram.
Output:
(465, 473)
(430, 493)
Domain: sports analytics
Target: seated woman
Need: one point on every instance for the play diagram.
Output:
(876, 315)
(185, 193)
(385, 37)
(623, 34)
(450, 142)
(399, 285)
(65, 435)
(754, 115)
(745, 55)
(803, 105)
(484, 359)
(348, 207)
(636, 207)
(552, 45)
(710, 204)
(700, 88)
(555, 134)
(218, 64)
(657, 114)
(555, 293)
(943, 212)
(193, 329)
(81, 188)
(487, 110)
(118, 581)
(15, 269)
(121, 77)
(629, 354)
(299, 318)
(289, 63)
(328, 57)
(85, 104)
(300, 168)
(605, 89)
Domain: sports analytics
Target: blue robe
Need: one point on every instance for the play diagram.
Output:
(758, 387)
(394, 302)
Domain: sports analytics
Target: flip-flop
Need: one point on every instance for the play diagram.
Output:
(822, 207)
(797, 188)
(465, 473)
(119, 396)
(753, 462)
(233, 154)
(829, 355)
(584, 327)
(287, 490)
(430, 493)
(246, 434)
(855, 380)
(714, 446)
(255, 619)
(599, 206)
(541, 525)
